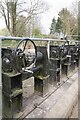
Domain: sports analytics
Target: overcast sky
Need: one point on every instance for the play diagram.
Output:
(46, 18)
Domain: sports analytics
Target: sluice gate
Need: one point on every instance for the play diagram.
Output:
(50, 62)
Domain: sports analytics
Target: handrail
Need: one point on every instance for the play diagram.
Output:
(35, 39)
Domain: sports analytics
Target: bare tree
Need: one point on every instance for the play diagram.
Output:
(74, 8)
(12, 9)
(69, 22)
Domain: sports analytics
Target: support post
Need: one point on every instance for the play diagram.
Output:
(41, 85)
(11, 94)
(54, 70)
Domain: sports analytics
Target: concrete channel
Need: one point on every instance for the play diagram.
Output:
(59, 104)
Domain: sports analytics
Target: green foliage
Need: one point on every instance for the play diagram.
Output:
(37, 32)
(9, 43)
(53, 26)
(59, 25)
(4, 32)
(69, 22)
(64, 13)
(66, 23)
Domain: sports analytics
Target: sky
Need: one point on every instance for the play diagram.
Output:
(54, 7)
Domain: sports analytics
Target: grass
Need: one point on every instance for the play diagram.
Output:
(9, 43)
(13, 43)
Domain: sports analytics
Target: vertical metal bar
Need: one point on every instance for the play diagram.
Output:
(48, 49)
(0, 85)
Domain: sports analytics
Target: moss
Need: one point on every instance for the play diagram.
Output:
(11, 74)
(42, 77)
(16, 92)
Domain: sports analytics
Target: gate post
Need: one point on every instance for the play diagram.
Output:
(41, 79)
(11, 94)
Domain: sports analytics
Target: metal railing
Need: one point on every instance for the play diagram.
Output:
(34, 39)
(48, 40)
